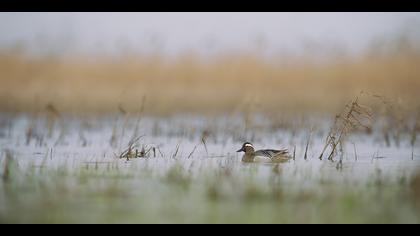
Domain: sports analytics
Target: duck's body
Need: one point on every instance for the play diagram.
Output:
(265, 155)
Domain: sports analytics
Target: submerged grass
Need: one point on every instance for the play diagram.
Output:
(182, 197)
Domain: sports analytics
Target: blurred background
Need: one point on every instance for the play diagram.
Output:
(206, 62)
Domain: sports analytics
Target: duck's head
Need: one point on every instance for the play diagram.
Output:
(246, 147)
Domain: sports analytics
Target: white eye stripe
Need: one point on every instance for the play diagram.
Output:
(248, 145)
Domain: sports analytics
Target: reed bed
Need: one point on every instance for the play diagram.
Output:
(190, 83)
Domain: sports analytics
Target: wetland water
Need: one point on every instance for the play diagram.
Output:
(68, 169)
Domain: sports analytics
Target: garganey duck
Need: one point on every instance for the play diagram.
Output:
(266, 155)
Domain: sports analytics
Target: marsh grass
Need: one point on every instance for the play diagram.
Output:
(229, 82)
(416, 129)
(132, 150)
(7, 165)
(306, 147)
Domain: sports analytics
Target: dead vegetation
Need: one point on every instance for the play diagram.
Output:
(132, 150)
(353, 117)
(396, 120)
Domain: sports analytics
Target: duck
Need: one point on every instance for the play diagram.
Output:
(265, 155)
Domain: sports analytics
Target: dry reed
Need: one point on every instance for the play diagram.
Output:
(194, 84)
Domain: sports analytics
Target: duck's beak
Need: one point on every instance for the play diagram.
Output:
(240, 150)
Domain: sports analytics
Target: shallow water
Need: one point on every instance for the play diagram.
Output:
(89, 140)
(85, 151)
